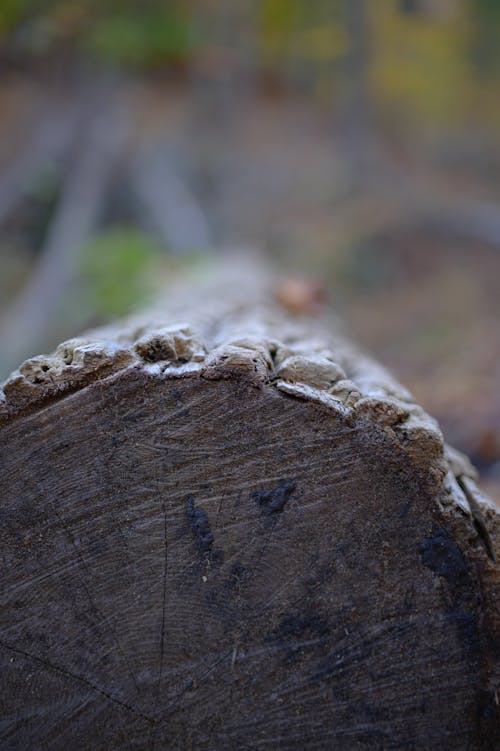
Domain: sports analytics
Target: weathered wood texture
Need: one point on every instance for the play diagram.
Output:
(238, 533)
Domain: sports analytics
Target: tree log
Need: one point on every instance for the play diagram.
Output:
(226, 528)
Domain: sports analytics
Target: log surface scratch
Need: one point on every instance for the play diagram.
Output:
(225, 527)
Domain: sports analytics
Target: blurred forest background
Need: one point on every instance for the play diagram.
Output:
(355, 142)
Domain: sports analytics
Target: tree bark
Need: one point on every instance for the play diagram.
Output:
(224, 527)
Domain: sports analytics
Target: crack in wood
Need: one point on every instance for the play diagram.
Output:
(153, 736)
(477, 517)
(78, 678)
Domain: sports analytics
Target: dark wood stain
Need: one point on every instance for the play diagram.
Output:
(200, 526)
(442, 555)
(274, 500)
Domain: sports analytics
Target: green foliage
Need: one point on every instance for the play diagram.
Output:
(11, 11)
(131, 33)
(432, 62)
(419, 65)
(142, 38)
(118, 270)
(294, 30)
(485, 43)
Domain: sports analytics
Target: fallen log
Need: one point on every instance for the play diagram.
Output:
(226, 528)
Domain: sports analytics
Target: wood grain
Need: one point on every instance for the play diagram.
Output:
(207, 543)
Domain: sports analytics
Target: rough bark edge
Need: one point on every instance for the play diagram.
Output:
(249, 335)
(339, 377)
(328, 372)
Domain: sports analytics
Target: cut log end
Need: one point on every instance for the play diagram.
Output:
(238, 541)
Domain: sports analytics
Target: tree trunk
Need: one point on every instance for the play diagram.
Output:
(225, 528)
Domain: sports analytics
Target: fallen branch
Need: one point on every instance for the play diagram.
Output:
(26, 323)
(167, 206)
